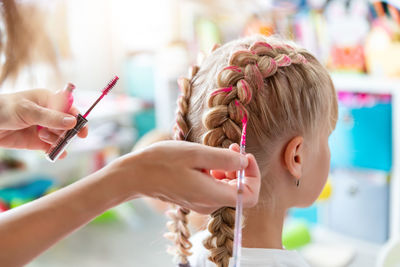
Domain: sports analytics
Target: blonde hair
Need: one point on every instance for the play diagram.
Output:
(23, 39)
(178, 226)
(283, 90)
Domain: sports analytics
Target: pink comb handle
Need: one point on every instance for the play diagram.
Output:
(237, 242)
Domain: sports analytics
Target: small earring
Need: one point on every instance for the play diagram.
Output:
(298, 182)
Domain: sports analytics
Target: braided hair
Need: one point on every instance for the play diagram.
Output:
(237, 83)
(282, 89)
(178, 226)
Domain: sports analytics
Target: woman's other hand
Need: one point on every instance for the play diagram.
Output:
(22, 112)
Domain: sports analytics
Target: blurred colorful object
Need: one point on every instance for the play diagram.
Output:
(51, 190)
(144, 121)
(348, 27)
(9, 162)
(108, 216)
(348, 58)
(3, 206)
(208, 34)
(32, 190)
(353, 100)
(363, 134)
(326, 192)
(16, 202)
(296, 235)
(380, 51)
(309, 214)
(383, 43)
(256, 25)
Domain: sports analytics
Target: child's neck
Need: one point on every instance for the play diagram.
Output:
(263, 227)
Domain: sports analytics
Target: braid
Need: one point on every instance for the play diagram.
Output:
(178, 226)
(221, 244)
(179, 234)
(237, 84)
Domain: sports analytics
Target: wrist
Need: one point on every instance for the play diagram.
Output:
(122, 177)
(3, 110)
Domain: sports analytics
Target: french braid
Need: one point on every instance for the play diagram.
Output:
(282, 96)
(178, 226)
(237, 84)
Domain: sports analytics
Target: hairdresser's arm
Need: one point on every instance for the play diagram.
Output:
(170, 171)
(21, 112)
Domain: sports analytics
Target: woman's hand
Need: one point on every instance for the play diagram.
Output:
(22, 112)
(178, 172)
(173, 171)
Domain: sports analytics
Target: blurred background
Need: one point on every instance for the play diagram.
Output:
(149, 44)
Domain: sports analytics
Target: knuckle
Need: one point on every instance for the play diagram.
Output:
(194, 155)
(23, 108)
(187, 152)
(153, 153)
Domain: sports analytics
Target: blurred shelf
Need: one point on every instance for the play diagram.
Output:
(364, 83)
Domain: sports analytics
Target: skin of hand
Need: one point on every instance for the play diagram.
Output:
(174, 171)
(179, 172)
(22, 112)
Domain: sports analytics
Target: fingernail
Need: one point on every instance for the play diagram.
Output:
(232, 146)
(44, 135)
(243, 161)
(68, 120)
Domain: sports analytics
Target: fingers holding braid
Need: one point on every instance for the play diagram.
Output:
(178, 226)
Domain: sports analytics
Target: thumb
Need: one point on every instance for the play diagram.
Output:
(33, 114)
(225, 192)
(212, 158)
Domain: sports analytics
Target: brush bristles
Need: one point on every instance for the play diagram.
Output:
(110, 85)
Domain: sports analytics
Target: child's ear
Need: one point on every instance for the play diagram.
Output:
(294, 156)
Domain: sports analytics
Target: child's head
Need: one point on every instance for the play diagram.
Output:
(291, 107)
